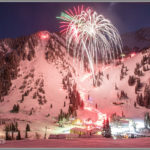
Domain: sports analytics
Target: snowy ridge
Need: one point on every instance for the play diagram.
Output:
(139, 38)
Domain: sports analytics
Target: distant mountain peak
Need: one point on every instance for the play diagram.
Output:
(139, 38)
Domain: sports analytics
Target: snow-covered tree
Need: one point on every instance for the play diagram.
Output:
(106, 129)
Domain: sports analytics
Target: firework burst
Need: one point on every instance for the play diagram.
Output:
(90, 35)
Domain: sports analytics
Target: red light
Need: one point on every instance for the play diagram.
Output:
(133, 54)
(44, 35)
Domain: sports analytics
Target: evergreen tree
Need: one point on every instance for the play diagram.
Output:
(64, 104)
(13, 127)
(139, 99)
(116, 88)
(7, 129)
(26, 134)
(106, 129)
(123, 114)
(14, 107)
(17, 108)
(12, 130)
(107, 76)
(7, 137)
(138, 86)
(104, 125)
(134, 104)
(96, 106)
(131, 80)
(18, 136)
(144, 68)
(16, 126)
(146, 120)
(51, 106)
(27, 129)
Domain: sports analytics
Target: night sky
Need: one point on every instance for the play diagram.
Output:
(19, 19)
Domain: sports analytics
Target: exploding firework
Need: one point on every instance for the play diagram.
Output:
(68, 15)
(90, 36)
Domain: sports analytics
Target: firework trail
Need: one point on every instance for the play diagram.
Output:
(90, 35)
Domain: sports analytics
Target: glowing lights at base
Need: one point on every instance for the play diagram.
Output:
(119, 130)
(133, 54)
(100, 120)
(133, 127)
(140, 124)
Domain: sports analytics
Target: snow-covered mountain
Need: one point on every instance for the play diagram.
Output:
(137, 40)
(38, 74)
(32, 69)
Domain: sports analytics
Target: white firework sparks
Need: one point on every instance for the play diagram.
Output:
(93, 36)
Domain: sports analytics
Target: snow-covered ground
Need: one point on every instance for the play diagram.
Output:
(79, 143)
(106, 94)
